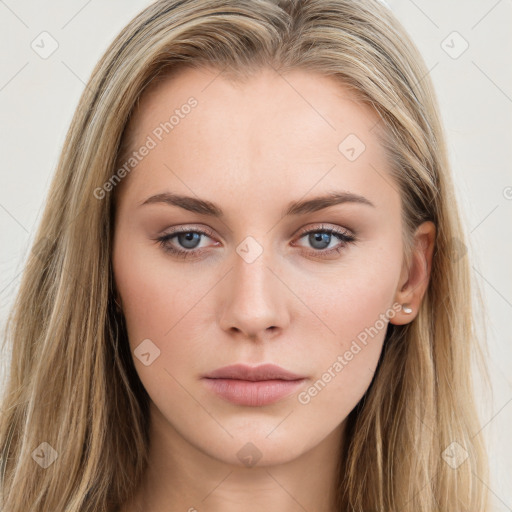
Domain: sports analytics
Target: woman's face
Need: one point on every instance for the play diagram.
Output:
(223, 254)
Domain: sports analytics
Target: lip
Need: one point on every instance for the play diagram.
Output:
(253, 373)
(253, 386)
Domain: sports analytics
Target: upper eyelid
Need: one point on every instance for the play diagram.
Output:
(323, 227)
(192, 229)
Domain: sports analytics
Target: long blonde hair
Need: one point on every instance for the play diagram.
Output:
(72, 391)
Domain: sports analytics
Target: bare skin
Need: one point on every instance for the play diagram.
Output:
(252, 150)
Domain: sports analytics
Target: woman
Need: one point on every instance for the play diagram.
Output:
(247, 288)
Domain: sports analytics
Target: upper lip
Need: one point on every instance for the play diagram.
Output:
(253, 373)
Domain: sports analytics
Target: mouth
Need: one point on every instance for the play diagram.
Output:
(253, 386)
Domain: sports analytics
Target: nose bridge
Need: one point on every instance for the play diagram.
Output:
(253, 300)
(252, 279)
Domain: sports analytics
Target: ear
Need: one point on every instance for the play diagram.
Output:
(414, 279)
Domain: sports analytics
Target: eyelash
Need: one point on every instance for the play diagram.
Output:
(343, 236)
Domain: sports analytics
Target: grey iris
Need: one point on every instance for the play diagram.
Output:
(189, 240)
(322, 238)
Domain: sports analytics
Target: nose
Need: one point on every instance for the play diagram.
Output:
(253, 301)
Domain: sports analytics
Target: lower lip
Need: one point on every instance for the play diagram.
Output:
(254, 394)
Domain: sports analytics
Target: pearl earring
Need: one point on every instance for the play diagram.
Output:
(406, 309)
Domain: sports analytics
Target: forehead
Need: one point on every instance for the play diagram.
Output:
(288, 130)
(264, 95)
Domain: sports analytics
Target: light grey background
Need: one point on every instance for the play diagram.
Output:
(38, 97)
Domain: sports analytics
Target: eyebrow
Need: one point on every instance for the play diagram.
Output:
(201, 206)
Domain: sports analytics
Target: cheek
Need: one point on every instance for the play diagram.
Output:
(353, 297)
(160, 304)
(355, 309)
(151, 302)
(153, 292)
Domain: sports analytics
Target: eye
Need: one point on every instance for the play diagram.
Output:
(327, 240)
(184, 241)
